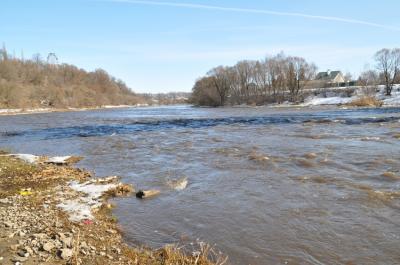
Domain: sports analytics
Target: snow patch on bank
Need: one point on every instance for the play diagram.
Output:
(33, 159)
(81, 208)
(27, 157)
(58, 159)
(315, 101)
(393, 100)
(332, 98)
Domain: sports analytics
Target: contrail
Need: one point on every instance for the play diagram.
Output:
(256, 11)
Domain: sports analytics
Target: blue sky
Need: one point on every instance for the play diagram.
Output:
(162, 46)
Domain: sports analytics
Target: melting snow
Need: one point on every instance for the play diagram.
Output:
(327, 101)
(334, 99)
(81, 208)
(27, 157)
(58, 159)
(34, 159)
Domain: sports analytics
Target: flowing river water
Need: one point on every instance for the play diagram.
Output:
(265, 185)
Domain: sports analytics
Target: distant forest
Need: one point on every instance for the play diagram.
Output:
(39, 83)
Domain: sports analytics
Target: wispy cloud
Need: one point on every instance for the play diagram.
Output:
(257, 11)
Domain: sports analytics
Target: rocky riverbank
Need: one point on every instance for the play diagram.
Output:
(52, 213)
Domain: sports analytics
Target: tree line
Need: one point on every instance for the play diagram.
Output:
(280, 78)
(38, 83)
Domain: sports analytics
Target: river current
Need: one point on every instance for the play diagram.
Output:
(265, 185)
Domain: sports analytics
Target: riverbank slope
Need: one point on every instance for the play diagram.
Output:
(44, 218)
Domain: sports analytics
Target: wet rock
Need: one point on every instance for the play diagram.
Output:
(310, 155)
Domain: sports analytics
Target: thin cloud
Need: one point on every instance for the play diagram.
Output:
(257, 11)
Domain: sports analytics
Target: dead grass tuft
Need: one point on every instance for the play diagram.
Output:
(366, 101)
(120, 190)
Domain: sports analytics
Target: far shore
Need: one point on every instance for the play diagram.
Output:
(335, 101)
(24, 111)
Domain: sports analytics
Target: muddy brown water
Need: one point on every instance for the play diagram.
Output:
(265, 185)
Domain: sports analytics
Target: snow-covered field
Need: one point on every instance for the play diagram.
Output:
(338, 99)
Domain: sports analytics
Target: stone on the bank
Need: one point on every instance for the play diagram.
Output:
(66, 241)
(48, 246)
(66, 253)
(22, 253)
(19, 259)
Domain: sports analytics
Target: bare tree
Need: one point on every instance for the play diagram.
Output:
(273, 79)
(204, 92)
(298, 73)
(388, 63)
(369, 79)
(221, 81)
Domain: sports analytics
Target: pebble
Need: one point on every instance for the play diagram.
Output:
(22, 253)
(48, 246)
(67, 242)
(19, 259)
(66, 253)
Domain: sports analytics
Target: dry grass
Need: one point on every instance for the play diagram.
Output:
(366, 101)
(175, 255)
(14, 175)
(120, 190)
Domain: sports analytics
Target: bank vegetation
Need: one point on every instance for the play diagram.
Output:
(281, 78)
(38, 83)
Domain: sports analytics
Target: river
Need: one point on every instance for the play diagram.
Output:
(265, 185)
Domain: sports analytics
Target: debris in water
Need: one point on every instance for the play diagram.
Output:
(391, 175)
(178, 184)
(310, 155)
(142, 194)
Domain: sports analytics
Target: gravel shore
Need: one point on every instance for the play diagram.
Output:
(43, 219)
